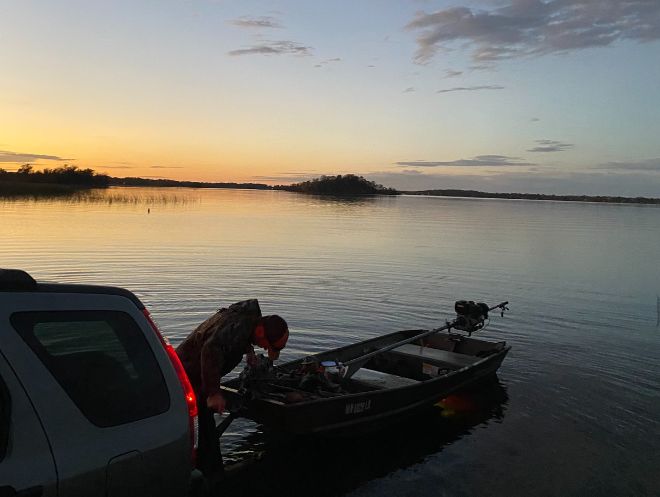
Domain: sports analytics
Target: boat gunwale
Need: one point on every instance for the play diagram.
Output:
(325, 400)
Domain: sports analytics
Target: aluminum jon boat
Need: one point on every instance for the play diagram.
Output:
(368, 384)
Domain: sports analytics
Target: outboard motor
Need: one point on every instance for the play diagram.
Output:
(470, 316)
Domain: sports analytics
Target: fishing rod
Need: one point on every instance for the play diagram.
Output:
(470, 317)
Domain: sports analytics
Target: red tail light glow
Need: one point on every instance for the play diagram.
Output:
(188, 391)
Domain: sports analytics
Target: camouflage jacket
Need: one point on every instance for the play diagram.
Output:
(218, 344)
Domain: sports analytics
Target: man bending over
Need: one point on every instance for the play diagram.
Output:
(215, 348)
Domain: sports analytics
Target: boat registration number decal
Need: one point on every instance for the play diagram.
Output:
(358, 407)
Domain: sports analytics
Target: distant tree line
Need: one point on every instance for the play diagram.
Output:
(186, 184)
(65, 175)
(75, 177)
(538, 196)
(348, 184)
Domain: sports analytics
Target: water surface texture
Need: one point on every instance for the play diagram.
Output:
(575, 410)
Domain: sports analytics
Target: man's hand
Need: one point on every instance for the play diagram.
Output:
(216, 402)
(251, 359)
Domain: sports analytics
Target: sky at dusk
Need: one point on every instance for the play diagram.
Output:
(555, 96)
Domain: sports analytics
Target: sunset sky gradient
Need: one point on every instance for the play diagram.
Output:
(515, 95)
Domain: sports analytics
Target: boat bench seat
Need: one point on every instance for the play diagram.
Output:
(378, 379)
(452, 358)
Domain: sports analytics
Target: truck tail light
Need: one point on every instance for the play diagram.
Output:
(188, 391)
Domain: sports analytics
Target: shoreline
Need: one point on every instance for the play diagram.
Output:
(594, 199)
(12, 189)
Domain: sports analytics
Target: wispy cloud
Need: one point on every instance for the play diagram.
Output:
(478, 161)
(649, 165)
(282, 47)
(450, 73)
(410, 89)
(534, 119)
(7, 156)
(471, 88)
(256, 22)
(523, 28)
(328, 61)
(166, 167)
(550, 146)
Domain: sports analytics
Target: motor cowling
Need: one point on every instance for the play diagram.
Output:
(470, 316)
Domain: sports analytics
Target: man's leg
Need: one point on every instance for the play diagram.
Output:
(209, 457)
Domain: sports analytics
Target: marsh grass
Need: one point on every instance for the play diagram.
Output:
(111, 197)
(75, 195)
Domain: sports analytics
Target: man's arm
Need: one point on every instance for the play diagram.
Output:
(211, 364)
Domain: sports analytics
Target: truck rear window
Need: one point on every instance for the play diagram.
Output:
(101, 359)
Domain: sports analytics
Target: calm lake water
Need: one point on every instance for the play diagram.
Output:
(576, 407)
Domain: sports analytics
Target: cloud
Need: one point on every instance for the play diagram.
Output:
(450, 73)
(550, 146)
(650, 165)
(410, 89)
(471, 88)
(478, 161)
(328, 61)
(7, 156)
(166, 167)
(522, 28)
(283, 47)
(256, 22)
(534, 119)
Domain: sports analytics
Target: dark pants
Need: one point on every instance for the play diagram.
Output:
(209, 457)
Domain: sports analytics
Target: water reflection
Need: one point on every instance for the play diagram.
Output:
(120, 196)
(346, 199)
(333, 466)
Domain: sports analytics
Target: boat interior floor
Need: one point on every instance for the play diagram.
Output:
(378, 379)
(407, 365)
(443, 356)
